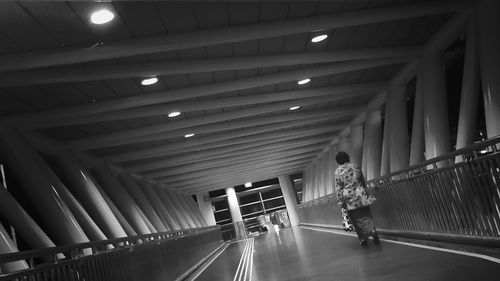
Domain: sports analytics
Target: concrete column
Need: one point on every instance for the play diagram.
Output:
(373, 144)
(158, 205)
(286, 185)
(205, 207)
(315, 183)
(8, 246)
(196, 209)
(417, 135)
(331, 171)
(80, 183)
(323, 174)
(183, 213)
(14, 214)
(307, 184)
(385, 160)
(436, 127)
(488, 22)
(121, 198)
(31, 172)
(135, 191)
(344, 144)
(364, 158)
(234, 205)
(187, 208)
(470, 91)
(171, 208)
(356, 144)
(399, 151)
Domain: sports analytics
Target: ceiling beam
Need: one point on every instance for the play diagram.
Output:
(141, 70)
(201, 38)
(302, 146)
(134, 135)
(208, 174)
(201, 91)
(283, 119)
(269, 140)
(238, 180)
(220, 139)
(340, 92)
(237, 176)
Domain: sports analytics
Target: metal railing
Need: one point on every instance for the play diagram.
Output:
(143, 257)
(454, 197)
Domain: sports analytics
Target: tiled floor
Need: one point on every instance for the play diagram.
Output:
(306, 254)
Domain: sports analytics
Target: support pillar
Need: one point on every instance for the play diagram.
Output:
(488, 22)
(84, 188)
(205, 207)
(158, 205)
(196, 210)
(31, 172)
(171, 208)
(135, 191)
(373, 144)
(435, 109)
(286, 185)
(356, 144)
(187, 208)
(234, 205)
(417, 134)
(122, 199)
(187, 218)
(385, 159)
(398, 135)
(7, 246)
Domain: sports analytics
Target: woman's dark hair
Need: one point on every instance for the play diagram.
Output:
(342, 158)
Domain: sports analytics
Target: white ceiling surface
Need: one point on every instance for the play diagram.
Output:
(231, 68)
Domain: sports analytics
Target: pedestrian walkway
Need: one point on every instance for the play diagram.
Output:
(307, 254)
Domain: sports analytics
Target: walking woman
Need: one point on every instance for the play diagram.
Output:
(351, 194)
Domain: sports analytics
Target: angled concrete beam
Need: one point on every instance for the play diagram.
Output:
(340, 92)
(237, 179)
(280, 138)
(107, 140)
(236, 168)
(223, 172)
(284, 120)
(194, 39)
(117, 71)
(221, 139)
(240, 172)
(203, 90)
(301, 147)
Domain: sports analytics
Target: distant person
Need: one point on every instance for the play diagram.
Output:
(350, 191)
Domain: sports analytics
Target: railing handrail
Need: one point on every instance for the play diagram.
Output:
(115, 242)
(452, 155)
(466, 151)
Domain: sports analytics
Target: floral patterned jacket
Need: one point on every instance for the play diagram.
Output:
(350, 187)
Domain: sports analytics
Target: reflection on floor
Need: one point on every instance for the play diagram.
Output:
(313, 254)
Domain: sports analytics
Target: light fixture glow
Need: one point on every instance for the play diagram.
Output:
(174, 114)
(102, 16)
(149, 81)
(248, 184)
(319, 38)
(294, 107)
(188, 135)
(304, 81)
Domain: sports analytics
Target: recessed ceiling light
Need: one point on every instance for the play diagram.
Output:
(189, 135)
(174, 114)
(248, 184)
(102, 16)
(304, 81)
(319, 38)
(149, 81)
(294, 107)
